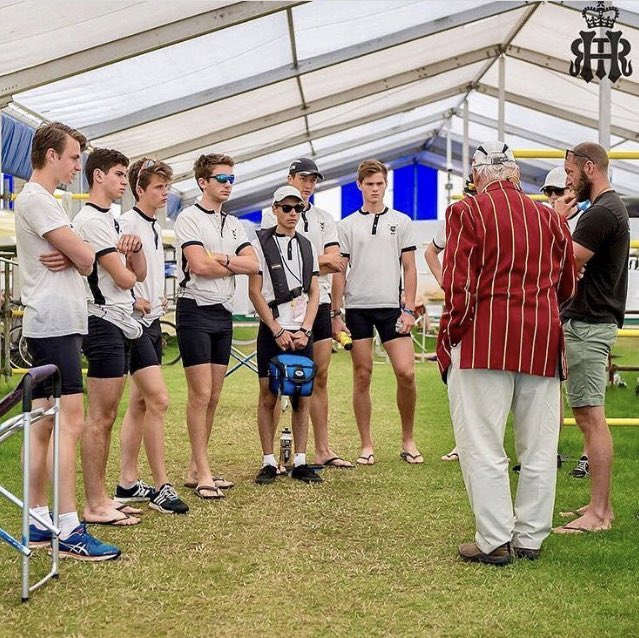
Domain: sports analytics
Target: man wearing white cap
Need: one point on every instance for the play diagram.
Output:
(320, 228)
(285, 294)
(500, 349)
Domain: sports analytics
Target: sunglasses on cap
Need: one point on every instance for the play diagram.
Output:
(222, 178)
(146, 165)
(582, 155)
(553, 190)
(289, 208)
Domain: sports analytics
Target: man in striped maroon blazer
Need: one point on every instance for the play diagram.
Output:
(508, 264)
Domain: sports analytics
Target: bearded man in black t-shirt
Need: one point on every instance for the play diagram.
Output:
(601, 243)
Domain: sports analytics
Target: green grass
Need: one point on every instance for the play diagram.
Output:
(369, 552)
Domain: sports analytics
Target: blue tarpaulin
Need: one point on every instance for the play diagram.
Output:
(16, 147)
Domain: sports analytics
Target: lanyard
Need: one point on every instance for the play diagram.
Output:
(290, 257)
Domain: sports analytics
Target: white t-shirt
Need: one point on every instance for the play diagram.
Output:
(55, 303)
(217, 233)
(105, 299)
(148, 229)
(318, 227)
(374, 245)
(292, 260)
(439, 240)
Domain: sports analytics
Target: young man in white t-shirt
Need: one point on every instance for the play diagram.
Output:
(286, 325)
(212, 249)
(379, 247)
(52, 261)
(148, 397)
(320, 228)
(119, 264)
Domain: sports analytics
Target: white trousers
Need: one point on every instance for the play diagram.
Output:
(480, 401)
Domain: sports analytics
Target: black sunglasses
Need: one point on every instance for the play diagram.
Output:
(551, 190)
(288, 208)
(582, 155)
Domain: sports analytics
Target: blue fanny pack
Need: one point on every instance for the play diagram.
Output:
(291, 375)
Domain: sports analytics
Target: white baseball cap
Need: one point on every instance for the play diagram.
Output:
(556, 178)
(286, 191)
(492, 153)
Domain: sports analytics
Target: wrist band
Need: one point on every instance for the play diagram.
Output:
(228, 261)
(409, 312)
(335, 313)
(279, 334)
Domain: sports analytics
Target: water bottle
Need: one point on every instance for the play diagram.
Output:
(286, 447)
(344, 339)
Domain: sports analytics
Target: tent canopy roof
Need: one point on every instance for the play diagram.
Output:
(337, 80)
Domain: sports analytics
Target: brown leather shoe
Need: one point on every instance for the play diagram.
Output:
(524, 552)
(501, 556)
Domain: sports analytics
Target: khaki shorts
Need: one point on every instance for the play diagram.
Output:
(587, 349)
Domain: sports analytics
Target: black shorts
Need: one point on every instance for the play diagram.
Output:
(322, 326)
(361, 321)
(147, 350)
(267, 349)
(64, 352)
(204, 333)
(107, 350)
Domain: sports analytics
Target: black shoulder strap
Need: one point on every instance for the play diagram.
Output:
(275, 266)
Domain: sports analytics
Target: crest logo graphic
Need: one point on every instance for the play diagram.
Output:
(611, 49)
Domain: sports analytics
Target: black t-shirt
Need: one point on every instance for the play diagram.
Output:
(601, 295)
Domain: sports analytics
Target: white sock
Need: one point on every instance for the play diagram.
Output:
(269, 459)
(42, 512)
(300, 459)
(68, 522)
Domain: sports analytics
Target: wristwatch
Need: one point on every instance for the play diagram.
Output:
(308, 333)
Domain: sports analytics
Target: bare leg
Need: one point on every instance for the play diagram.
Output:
(148, 403)
(299, 420)
(402, 357)
(598, 513)
(71, 426)
(362, 358)
(265, 420)
(104, 397)
(216, 376)
(319, 404)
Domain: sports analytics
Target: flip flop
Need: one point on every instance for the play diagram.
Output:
(219, 481)
(115, 522)
(571, 514)
(208, 488)
(222, 484)
(451, 456)
(127, 509)
(566, 529)
(404, 455)
(365, 460)
(331, 463)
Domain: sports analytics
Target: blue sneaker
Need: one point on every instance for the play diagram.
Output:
(83, 546)
(39, 537)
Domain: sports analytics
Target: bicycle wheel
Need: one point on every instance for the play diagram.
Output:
(19, 352)
(170, 351)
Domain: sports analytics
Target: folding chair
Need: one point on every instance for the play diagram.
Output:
(24, 422)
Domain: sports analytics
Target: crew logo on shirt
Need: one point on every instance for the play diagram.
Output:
(393, 229)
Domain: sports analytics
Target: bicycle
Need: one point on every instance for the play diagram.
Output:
(170, 351)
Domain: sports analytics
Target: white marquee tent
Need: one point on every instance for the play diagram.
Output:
(338, 80)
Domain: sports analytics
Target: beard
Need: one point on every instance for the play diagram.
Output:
(581, 187)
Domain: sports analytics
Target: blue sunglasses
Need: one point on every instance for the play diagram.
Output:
(222, 178)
